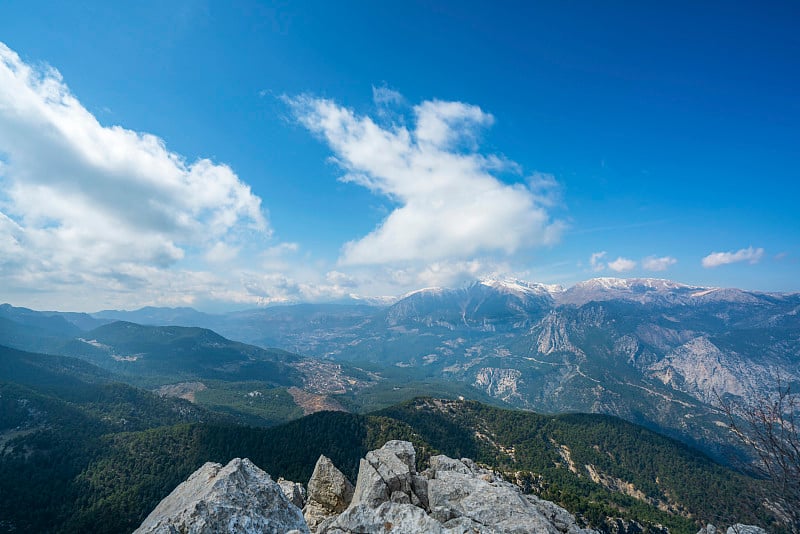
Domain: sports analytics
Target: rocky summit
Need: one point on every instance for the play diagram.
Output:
(238, 497)
(449, 497)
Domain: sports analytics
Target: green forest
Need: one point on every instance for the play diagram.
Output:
(79, 452)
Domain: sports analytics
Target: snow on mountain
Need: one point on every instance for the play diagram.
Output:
(520, 287)
(424, 291)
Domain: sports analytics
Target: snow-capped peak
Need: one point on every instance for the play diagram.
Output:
(424, 290)
(511, 285)
(657, 284)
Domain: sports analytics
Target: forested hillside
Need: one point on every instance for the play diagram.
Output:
(94, 455)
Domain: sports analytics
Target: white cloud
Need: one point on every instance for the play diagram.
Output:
(92, 202)
(450, 205)
(277, 287)
(651, 263)
(749, 254)
(622, 264)
(595, 263)
(384, 96)
(546, 189)
(339, 279)
(222, 253)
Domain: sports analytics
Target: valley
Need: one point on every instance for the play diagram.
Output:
(438, 367)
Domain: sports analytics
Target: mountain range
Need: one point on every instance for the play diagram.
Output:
(654, 352)
(107, 412)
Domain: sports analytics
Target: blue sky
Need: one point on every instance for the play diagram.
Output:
(231, 154)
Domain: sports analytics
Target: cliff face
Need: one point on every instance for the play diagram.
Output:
(450, 496)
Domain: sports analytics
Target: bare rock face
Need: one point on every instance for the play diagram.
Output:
(238, 497)
(329, 493)
(738, 528)
(450, 497)
(388, 517)
(294, 491)
(390, 474)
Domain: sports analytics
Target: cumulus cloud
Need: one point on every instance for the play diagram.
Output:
(652, 263)
(278, 287)
(749, 254)
(88, 200)
(450, 204)
(622, 264)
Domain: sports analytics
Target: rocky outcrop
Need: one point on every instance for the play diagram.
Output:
(329, 493)
(294, 491)
(450, 496)
(738, 528)
(701, 369)
(500, 383)
(238, 497)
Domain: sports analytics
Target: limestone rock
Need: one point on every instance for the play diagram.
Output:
(370, 490)
(459, 496)
(738, 528)
(404, 451)
(388, 517)
(562, 520)
(236, 498)
(329, 493)
(449, 497)
(329, 487)
(294, 491)
(394, 470)
(443, 463)
(500, 505)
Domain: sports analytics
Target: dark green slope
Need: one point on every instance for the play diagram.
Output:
(53, 322)
(70, 464)
(659, 472)
(164, 354)
(54, 412)
(149, 464)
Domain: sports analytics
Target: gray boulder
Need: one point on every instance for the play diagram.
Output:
(450, 497)
(443, 463)
(370, 490)
(454, 495)
(389, 473)
(394, 462)
(388, 517)
(329, 493)
(739, 528)
(294, 491)
(236, 498)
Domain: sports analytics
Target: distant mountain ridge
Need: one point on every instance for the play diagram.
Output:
(653, 351)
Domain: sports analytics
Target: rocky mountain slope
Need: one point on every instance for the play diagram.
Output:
(655, 352)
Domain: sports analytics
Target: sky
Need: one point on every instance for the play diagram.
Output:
(227, 155)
